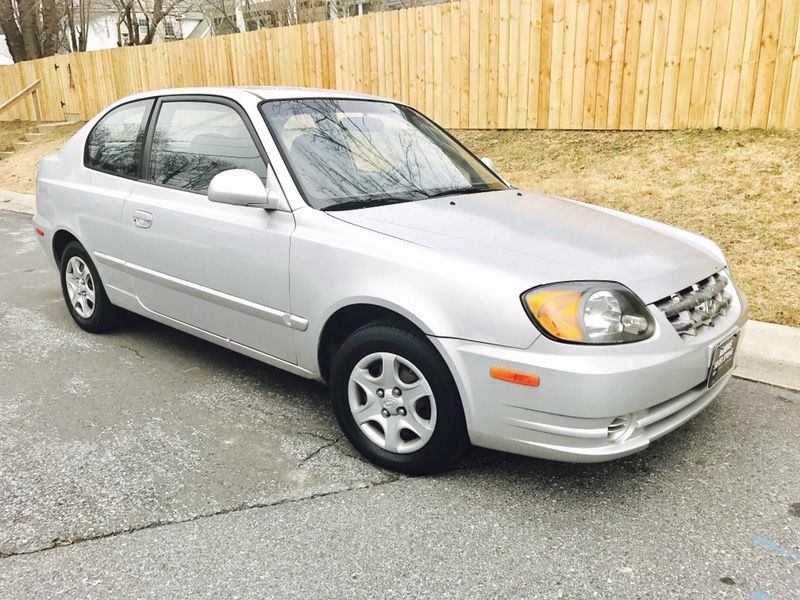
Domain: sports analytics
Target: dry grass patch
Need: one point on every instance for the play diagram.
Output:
(18, 172)
(739, 188)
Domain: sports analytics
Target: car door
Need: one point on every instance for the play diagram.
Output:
(92, 198)
(221, 268)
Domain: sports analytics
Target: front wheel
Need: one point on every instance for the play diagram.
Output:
(396, 400)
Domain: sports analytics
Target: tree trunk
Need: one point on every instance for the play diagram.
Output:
(9, 26)
(50, 18)
(83, 36)
(29, 27)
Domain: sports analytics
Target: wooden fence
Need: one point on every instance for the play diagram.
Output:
(574, 64)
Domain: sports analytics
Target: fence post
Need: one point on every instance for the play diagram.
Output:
(36, 108)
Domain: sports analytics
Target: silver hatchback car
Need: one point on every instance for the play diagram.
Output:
(349, 239)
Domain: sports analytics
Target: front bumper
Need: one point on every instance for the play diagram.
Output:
(594, 403)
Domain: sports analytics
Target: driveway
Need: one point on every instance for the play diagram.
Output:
(147, 463)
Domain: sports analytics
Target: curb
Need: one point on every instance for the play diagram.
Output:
(16, 202)
(768, 353)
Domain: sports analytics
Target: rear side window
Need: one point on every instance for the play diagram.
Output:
(115, 144)
(194, 141)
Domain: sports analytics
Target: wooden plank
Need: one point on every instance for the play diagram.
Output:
(430, 84)
(474, 62)
(439, 75)
(422, 60)
(493, 65)
(393, 50)
(556, 64)
(512, 56)
(793, 101)
(414, 76)
(522, 57)
(579, 63)
(611, 119)
(750, 54)
(669, 90)
(733, 66)
(23, 94)
(658, 60)
(705, 38)
(630, 63)
(592, 70)
(451, 38)
(372, 44)
(402, 47)
(503, 10)
(535, 48)
(643, 68)
(766, 63)
(545, 65)
(465, 68)
(568, 64)
(382, 64)
(691, 29)
(783, 63)
(719, 53)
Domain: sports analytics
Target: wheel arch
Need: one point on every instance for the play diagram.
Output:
(61, 238)
(346, 319)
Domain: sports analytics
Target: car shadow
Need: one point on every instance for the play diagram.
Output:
(618, 478)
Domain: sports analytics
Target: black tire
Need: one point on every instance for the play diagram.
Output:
(449, 438)
(104, 316)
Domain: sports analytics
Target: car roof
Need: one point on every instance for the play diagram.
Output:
(263, 92)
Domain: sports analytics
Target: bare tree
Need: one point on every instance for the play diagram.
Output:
(31, 27)
(75, 24)
(141, 18)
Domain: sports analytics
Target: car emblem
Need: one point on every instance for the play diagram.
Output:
(704, 307)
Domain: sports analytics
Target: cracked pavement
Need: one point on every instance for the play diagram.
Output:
(147, 463)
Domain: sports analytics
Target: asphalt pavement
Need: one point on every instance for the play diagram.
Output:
(147, 463)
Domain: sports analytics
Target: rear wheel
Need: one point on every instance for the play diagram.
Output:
(83, 291)
(396, 400)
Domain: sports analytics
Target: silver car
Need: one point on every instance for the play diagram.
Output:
(348, 239)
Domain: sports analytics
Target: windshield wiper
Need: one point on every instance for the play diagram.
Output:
(472, 189)
(351, 204)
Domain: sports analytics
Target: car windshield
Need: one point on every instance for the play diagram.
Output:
(348, 154)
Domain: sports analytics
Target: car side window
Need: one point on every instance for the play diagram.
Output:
(193, 141)
(114, 146)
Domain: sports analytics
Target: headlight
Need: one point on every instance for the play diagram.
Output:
(588, 312)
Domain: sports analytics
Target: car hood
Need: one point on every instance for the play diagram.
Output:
(544, 239)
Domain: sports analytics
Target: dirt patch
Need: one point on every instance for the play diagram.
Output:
(739, 188)
(18, 171)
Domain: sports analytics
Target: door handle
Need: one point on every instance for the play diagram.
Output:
(142, 219)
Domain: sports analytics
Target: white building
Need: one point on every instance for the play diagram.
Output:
(5, 55)
(249, 15)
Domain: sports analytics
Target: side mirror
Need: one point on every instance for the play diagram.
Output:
(489, 163)
(241, 187)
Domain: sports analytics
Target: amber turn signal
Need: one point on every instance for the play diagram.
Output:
(558, 311)
(514, 376)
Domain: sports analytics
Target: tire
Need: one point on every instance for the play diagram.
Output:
(89, 305)
(425, 430)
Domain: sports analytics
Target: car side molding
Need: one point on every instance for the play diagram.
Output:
(204, 293)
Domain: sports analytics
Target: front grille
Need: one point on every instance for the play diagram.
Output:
(699, 305)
